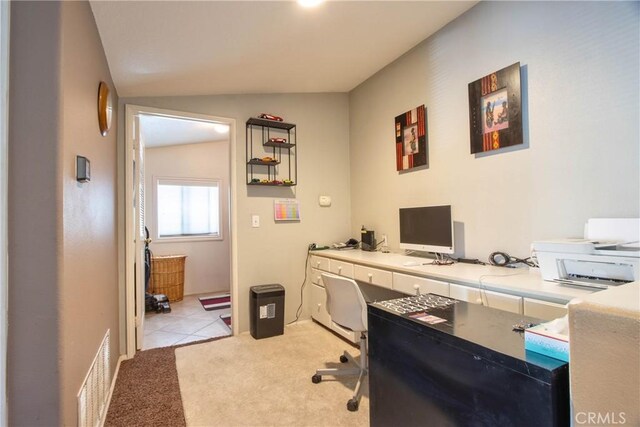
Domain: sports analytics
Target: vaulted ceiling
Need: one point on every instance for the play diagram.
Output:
(228, 47)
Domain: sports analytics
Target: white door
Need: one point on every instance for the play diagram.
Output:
(138, 206)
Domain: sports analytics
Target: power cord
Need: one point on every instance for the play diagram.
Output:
(304, 282)
(503, 259)
(441, 259)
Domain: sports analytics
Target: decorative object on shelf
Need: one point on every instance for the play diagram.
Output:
(271, 159)
(411, 139)
(495, 111)
(105, 108)
(278, 140)
(286, 210)
(270, 117)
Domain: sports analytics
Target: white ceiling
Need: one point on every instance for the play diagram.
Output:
(160, 131)
(222, 47)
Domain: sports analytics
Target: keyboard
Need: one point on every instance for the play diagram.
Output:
(416, 303)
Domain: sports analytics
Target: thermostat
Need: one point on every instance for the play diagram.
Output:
(324, 201)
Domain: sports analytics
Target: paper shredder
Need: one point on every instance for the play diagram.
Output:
(267, 311)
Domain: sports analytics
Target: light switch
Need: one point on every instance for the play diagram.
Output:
(255, 221)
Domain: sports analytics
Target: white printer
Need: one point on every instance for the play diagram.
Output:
(608, 255)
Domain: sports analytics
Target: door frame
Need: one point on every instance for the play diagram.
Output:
(4, 206)
(129, 247)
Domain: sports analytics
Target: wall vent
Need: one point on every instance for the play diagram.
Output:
(93, 394)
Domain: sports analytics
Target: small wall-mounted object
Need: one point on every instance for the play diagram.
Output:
(324, 201)
(83, 169)
(105, 108)
(286, 210)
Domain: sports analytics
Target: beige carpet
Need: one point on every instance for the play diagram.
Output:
(240, 381)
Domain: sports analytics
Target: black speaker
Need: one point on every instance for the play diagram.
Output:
(368, 240)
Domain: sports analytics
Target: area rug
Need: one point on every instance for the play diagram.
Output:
(220, 305)
(215, 302)
(240, 381)
(146, 392)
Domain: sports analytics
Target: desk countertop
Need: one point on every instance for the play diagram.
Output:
(525, 282)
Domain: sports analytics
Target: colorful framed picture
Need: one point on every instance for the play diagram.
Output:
(495, 111)
(411, 139)
(286, 210)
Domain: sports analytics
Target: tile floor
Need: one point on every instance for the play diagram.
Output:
(187, 322)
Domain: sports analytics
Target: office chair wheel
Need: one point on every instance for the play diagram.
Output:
(343, 359)
(316, 379)
(352, 405)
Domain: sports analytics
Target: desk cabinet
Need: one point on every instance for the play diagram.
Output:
(410, 284)
(373, 276)
(341, 268)
(318, 306)
(543, 309)
(320, 263)
(316, 277)
(492, 299)
(319, 311)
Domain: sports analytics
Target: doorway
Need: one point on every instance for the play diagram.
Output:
(170, 159)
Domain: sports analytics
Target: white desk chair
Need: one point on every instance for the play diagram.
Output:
(347, 308)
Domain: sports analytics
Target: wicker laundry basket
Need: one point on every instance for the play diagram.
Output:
(167, 276)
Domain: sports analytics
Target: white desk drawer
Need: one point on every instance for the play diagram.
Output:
(373, 276)
(465, 293)
(320, 263)
(491, 299)
(502, 301)
(316, 279)
(543, 310)
(319, 306)
(341, 268)
(410, 284)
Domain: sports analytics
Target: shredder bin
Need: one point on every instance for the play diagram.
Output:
(267, 311)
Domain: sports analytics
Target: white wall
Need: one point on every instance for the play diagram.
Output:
(275, 253)
(580, 68)
(207, 267)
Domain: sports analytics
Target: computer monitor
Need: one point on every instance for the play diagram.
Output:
(427, 229)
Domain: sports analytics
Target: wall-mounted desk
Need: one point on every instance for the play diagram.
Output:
(519, 290)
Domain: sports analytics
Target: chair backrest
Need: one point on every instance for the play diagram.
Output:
(345, 302)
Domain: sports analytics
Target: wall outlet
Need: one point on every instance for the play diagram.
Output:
(255, 221)
(384, 240)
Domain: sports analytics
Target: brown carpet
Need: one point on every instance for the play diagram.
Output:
(147, 392)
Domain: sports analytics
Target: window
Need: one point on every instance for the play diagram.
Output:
(188, 208)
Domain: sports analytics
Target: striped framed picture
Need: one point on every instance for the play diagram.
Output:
(495, 111)
(411, 139)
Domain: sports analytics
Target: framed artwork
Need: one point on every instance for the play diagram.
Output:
(495, 113)
(286, 210)
(411, 139)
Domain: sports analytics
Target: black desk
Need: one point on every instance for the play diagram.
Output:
(471, 370)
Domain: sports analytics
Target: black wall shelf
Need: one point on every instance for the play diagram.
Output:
(283, 170)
